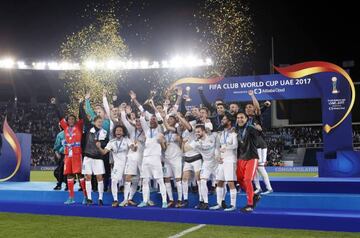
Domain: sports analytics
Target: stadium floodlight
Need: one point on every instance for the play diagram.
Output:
(192, 61)
(53, 66)
(155, 65)
(132, 65)
(7, 63)
(113, 64)
(39, 65)
(62, 66)
(21, 65)
(90, 65)
(69, 66)
(165, 64)
(144, 64)
(176, 62)
(209, 61)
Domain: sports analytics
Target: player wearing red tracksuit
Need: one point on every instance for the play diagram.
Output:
(73, 131)
(247, 158)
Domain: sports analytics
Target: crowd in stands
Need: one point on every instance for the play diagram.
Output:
(40, 120)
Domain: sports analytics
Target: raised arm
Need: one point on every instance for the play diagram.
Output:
(265, 106)
(134, 100)
(83, 116)
(184, 122)
(157, 113)
(255, 102)
(178, 99)
(125, 121)
(88, 109)
(138, 105)
(106, 105)
(204, 100)
(182, 105)
(144, 124)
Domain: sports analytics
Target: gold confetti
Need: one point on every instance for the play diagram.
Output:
(98, 41)
(227, 34)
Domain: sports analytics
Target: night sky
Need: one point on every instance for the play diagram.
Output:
(157, 29)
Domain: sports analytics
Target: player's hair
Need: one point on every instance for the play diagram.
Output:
(227, 117)
(99, 105)
(125, 131)
(202, 127)
(97, 118)
(173, 117)
(221, 104)
(242, 112)
(70, 115)
(204, 108)
(249, 104)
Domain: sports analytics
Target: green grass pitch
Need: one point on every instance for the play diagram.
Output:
(26, 225)
(48, 176)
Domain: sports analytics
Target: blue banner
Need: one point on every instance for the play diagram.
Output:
(318, 80)
(332, 88)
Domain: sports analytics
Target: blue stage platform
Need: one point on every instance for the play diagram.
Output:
(305, 210)
(315, 185)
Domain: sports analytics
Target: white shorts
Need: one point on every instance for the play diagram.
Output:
(193, 166)
(226, 171)
(173, 168)
(118, 170)
(93, 166)
(208, 168)
(152, 168)
(133, 164)
(262, 153)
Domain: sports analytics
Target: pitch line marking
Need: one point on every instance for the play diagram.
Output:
(191, 229)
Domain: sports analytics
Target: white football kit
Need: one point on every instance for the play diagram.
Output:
(173, 156)
(195, 165)
(151, 164)
(134, 158)
(119, 149)
(226, 149)
(206, 147)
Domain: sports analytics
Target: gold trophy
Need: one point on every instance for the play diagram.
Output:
(187, 94)
(151, 98)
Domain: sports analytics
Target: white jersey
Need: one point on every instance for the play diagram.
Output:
(189, 136)
(152, 146)
(119, 148)
(226, 146)
(136, 136)
(206, 147)
(173, 149)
